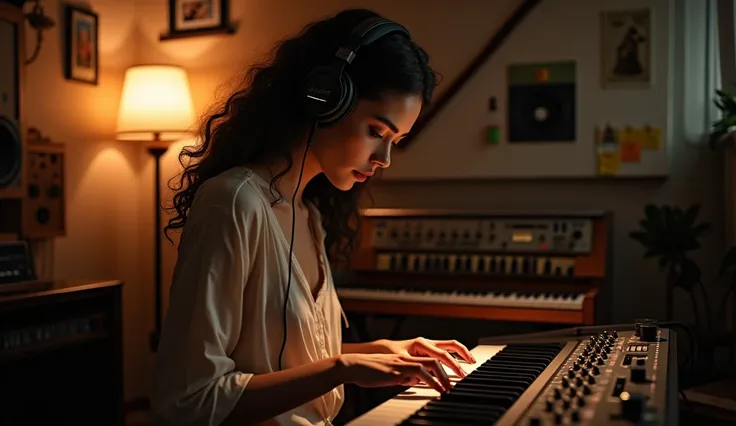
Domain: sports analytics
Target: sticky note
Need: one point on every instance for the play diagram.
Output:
(609, 161)
(493, 135)
(631, 150)
(651, 139)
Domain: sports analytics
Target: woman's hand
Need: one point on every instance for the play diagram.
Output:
(440, 350)
(378, 370)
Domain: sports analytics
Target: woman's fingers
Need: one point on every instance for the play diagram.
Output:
(417, 371)
(434, 366)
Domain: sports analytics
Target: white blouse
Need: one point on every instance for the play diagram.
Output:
(225, 317)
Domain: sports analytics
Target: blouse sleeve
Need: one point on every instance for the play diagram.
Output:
(195, 381)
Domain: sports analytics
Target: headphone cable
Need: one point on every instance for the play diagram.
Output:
(291, 243)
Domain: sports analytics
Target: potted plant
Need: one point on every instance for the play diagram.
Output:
(670, 234)
(724, 127)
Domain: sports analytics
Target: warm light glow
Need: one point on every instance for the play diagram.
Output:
(156, 99)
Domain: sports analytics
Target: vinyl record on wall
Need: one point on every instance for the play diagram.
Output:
(541, 103)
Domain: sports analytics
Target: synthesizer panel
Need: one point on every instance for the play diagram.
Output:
(607, 377)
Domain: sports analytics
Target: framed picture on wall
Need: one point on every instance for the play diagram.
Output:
(81, 61)
(189, 18)
(626, 48)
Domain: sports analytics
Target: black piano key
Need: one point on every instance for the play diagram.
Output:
(430, 422)
(478, 385)
(466, 416)
(463, 407)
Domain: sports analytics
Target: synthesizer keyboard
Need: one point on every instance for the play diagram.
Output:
(610, 378)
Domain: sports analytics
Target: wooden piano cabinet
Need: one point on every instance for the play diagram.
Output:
(61, 355)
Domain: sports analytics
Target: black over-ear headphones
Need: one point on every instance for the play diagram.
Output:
(330, 98)
(330, 92)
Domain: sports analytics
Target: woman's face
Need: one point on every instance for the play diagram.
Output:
(352, 150)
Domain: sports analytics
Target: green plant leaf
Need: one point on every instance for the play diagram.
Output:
(691, 215)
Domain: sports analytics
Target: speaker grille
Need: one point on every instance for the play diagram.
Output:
(10, 152)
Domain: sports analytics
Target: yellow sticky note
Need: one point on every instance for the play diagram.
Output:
(609, 162)
(631, 150)
(651, 138)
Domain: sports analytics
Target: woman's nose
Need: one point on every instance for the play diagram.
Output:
(382, 156)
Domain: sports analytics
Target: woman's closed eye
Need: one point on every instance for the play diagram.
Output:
(374, 133)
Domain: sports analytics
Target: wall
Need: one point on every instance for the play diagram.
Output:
(695, 177)
(568, 35)
(694, 171)
(110, 210)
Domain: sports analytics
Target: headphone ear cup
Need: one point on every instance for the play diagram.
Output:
(324, 92)
(345, 105)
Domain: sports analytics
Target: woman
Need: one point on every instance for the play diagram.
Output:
(232, 351)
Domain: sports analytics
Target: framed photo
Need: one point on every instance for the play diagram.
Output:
(626, 48)
(188, 18)
(81, 58)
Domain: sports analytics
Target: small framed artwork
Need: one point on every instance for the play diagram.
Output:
(81, 58)
(626, 48)
(189, 18)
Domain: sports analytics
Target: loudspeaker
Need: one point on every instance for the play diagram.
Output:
(44, 206)
(12, 117)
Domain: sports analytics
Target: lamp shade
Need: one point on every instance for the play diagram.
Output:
(155, 105)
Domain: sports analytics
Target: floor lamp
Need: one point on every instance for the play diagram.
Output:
(155, 108)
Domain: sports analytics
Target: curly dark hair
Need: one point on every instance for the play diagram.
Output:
(266, 119)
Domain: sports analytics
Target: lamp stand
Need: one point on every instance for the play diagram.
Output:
(157, 149)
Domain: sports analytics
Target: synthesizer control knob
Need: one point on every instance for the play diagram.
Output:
(549, 405)
(565, 403)
(595, 370)
(632, 406)
(648, 333)
(638, 374)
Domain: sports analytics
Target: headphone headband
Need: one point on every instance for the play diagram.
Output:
(366, 33)
(330, 93)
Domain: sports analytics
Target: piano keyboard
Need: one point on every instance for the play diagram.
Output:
(493, 384)
(514, 299)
